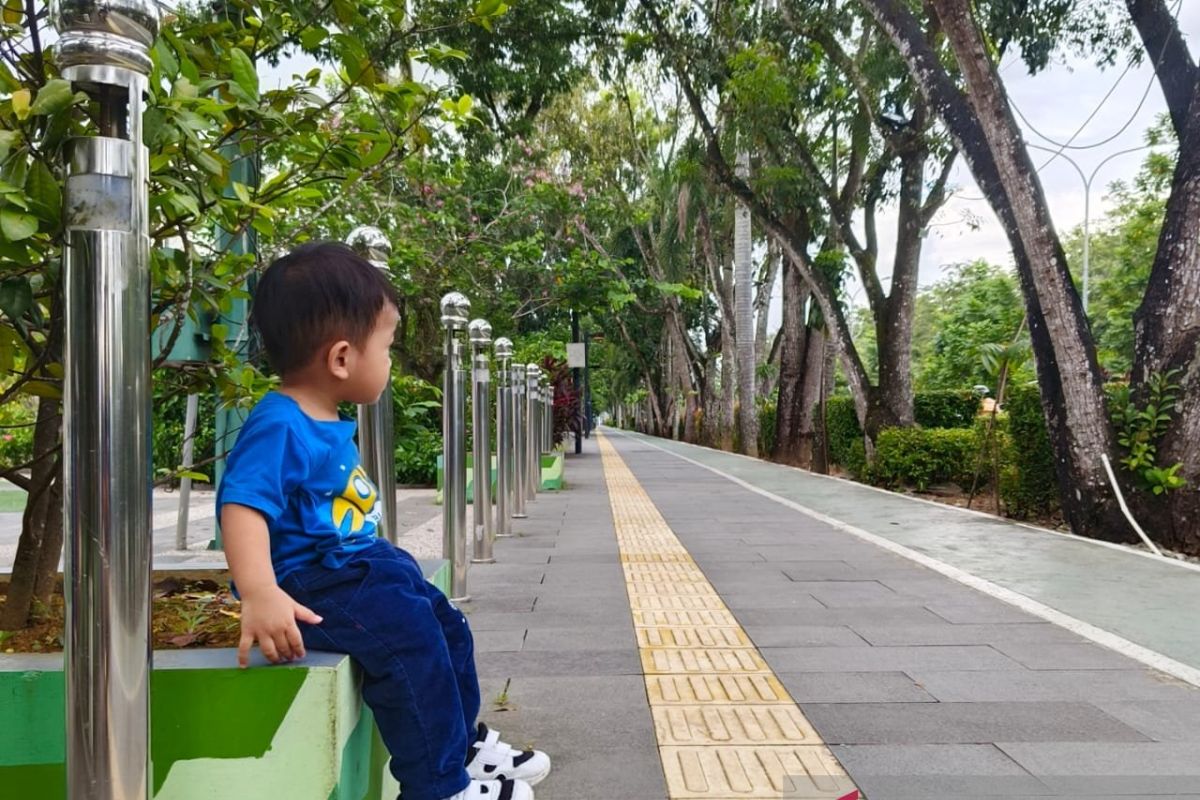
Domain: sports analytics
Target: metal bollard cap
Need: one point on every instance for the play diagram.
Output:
(519, 370)
(456, 308)
(370, 243)
(115, 33)
(503, 347)
(480, 332)
(533, 371)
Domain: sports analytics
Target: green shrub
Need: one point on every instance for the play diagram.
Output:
(919, 457)
(766, 426)
(17, 419)
(416, 457)
(945, 409)
(1029, 485)
(168, 418)
(841, 426)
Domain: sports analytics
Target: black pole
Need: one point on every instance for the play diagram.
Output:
(575, 380)
(587, 387)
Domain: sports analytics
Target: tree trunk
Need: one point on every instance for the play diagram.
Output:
(1069, 375)
(815, 357)
(1167, 330)
(824, 390)
(762, 308)
(40, 546)
(789, 405)
(744, 304)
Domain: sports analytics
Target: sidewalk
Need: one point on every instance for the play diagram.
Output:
(919, 685)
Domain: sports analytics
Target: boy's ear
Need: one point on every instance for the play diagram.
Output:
(338, 359)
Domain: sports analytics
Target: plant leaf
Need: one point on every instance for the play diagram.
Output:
(244, 72)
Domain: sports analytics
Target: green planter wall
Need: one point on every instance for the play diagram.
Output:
(552, 475)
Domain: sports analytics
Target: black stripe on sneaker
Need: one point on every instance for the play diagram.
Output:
(522, 757)
(506, 789)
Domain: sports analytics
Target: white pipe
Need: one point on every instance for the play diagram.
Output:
(1125, 508)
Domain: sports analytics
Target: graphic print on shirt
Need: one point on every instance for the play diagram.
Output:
(357, 505)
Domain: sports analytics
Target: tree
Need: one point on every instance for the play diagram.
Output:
(974, 106)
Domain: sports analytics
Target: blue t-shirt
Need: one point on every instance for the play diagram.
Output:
(304, 476)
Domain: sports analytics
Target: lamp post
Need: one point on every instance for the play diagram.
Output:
(104, 51)
(455, 308)
(376, 421)
(480, 334)
(1087, 203)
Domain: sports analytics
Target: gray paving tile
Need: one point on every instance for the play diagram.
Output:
(949, 633)
(851, 594)
(1083, 656)
(790, 600)
(819, 571)
(919, 771)
(886, 659)
(853, 687)
(1173, 720)
(1035, 686)
(531, 663)
(979, 612)
(803, 636)
(1112, 769)
(965, 723)
(501, 641)
(826, 617)
(590, 637)
(484, 620)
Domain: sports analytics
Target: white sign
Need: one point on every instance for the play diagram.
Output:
(576, 355)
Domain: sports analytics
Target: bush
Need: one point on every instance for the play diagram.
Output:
(919, 457)
(17, 419)
(416, 457)
(1029, 486)
(766, 427)
(841, 427)
(168, 418)
(945, 409)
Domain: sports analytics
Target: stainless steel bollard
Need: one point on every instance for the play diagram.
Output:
(520, 440)
(533, 477)
(505, 464)
(455, 309)
(376, 422)
(480, 334)
(548, 417)
(103, 50)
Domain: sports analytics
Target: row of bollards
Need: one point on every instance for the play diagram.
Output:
(524, 431)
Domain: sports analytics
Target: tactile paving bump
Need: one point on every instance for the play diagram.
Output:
(803, 771)
(717, 689)
(696, 616)
(692, 636)
(711, 724)
(669, 588)
(713, 661)
(672, 557)
(663, 572)
(644, 602)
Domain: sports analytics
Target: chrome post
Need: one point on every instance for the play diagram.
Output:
(480, 334)
(103, 50)
(505, 465)
(533, 451)
(520, 440)
(455, 308)
(376, 421)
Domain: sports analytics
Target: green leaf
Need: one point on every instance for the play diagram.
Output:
(192, 474)
(44, 191)
(313, 37)
(20, 103)
(54, 96)
(7, 140)
(244, 73)
(16, 297)
(42, 389)
(17, 225)
(242, 192)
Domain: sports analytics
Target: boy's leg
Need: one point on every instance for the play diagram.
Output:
(377, 611)
(461, 645)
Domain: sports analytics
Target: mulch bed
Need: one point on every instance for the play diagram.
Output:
(186, 613)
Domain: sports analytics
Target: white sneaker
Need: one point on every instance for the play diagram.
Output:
(500, 789)
(490, 758)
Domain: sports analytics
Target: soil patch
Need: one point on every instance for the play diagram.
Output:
(185, 613)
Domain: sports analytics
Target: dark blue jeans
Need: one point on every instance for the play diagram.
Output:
(417, 658)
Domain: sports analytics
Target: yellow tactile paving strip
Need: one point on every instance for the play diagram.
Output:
(726, 726)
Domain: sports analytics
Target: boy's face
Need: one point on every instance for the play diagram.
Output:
(369, 367)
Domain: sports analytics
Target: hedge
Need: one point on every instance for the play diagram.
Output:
(1029, 486)
(920, 457)
(945, 409)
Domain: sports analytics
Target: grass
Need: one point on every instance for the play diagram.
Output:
(12, 501)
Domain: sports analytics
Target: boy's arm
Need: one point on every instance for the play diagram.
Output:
(269, 614)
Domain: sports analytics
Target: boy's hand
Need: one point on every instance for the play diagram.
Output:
(269, 617)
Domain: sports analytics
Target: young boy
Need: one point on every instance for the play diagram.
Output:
(299, 518)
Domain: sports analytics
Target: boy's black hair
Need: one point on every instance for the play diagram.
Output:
(317, 294)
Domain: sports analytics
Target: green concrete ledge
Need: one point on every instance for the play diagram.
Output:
(552, 475)
(296, 731)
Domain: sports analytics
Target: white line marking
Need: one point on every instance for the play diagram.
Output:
(1150, 658)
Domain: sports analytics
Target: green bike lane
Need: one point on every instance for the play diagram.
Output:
(1140, 605)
